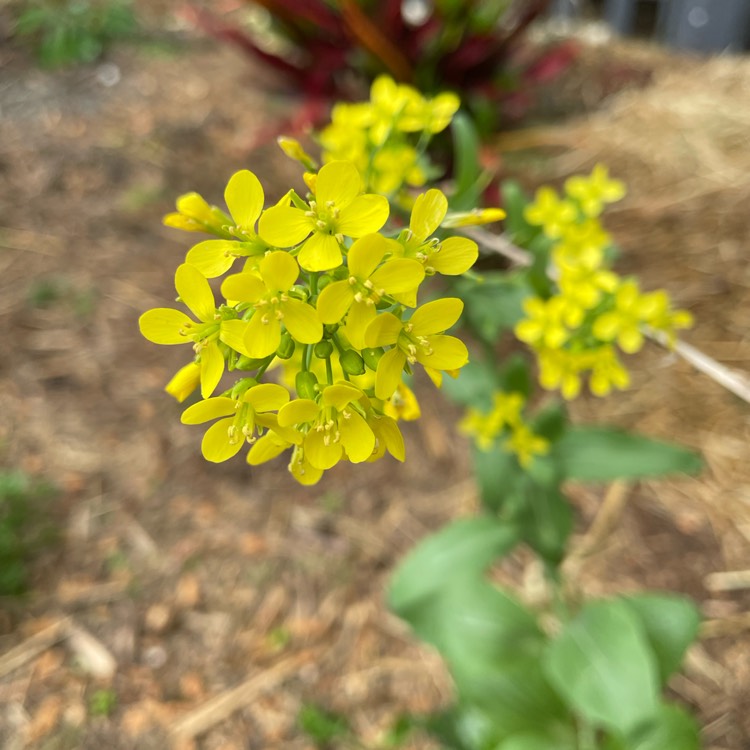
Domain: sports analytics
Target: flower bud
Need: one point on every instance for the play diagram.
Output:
(249, 363)
(352, 363)
(286, 347)
(306, 384)
(245, 384)
(372, 357)
(323, 349)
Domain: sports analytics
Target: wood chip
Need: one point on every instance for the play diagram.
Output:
(33, 646)
(93, 655)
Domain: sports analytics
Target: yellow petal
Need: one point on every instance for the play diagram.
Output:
(299, 411)
(304, 473)
(263, 334)
(428, 212)
(284, 226)
(436, 316)
(212, 368)
(163, 325)
(212, 257)
(194, 206)
(334, 301)
(356, 437)
(266, 397)
(365, 255)
(211, 408)
(184, 381)
(279, 271)
(302, 321)
(321, 252)
(340, 395)
(398, 276)
(195, 292)
(388, 374)
(359, 318)
(320, 454)
(217, 446)
(244, 198)
(383, 330)
(365, 214)
(387, 431)
(448, 353)
(266, 448)
(338, 181)
(243, 287)
(233, 333)
(456, 256)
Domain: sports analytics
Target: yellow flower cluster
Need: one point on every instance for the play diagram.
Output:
(575, 332)
(505, 418)
(326, 293)
(387, 136)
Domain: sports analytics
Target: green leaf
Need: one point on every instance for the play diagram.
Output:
(545, 520)
(551, 422)
(465, 549)
(474, 386)
(671, 625)
(603, 667)
(601, 454)
(321, 726)
(468, 175)
(515, 376)
(540, 740)
(493, 304)
(514, 202)
(499, 477)
(671, 729)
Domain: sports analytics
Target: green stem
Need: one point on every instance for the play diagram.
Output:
(329, 371)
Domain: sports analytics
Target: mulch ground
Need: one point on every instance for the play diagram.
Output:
(214, 601)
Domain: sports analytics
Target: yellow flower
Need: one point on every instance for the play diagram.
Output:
(367, 284)
(268, 293)
(165, 325)
(184, 381)
(392, 166)
(606, 371)
(485, 427)
(244, 198)
(663, 318)
(583, 287)
(551, 213)
(582, 245)
(239, 419)
(293, 149)
(594, 191)
(452, 256)
(388, 437)
(195, 215)
(333, 427)
(545, 322)
(403, 404)
(339, 209)
(632, 309)
(417, 340)
(525, 444)
(473, 218)
(562, 369)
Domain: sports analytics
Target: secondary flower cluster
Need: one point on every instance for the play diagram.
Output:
(576, 332)
(323, 291)
(387, 136)
(505, 419)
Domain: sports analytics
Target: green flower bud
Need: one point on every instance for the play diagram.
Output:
(372, 357)
(330, 328)
(352, 363)
(306, 384)
(286, 347)
(323, 349)
(300, 292)
(250, 363)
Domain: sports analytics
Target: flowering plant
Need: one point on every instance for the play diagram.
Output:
(324, 321)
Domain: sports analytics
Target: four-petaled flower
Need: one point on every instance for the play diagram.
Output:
(165, 325)
(550, 212)
(338, 209)
(594, 191)
(419, 339)
(368, 282)
(268, 293)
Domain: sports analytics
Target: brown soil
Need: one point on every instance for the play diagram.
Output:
(177, 582)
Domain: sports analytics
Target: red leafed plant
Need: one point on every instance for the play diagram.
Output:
(331, 49)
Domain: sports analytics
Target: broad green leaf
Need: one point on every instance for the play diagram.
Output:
(603, 667)
(514, 202)
(564, 739)
(515, 376)
(465, 548)
(551, 422)
(545, 520)
(671, 625)
(601, 454)
(671, 729)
